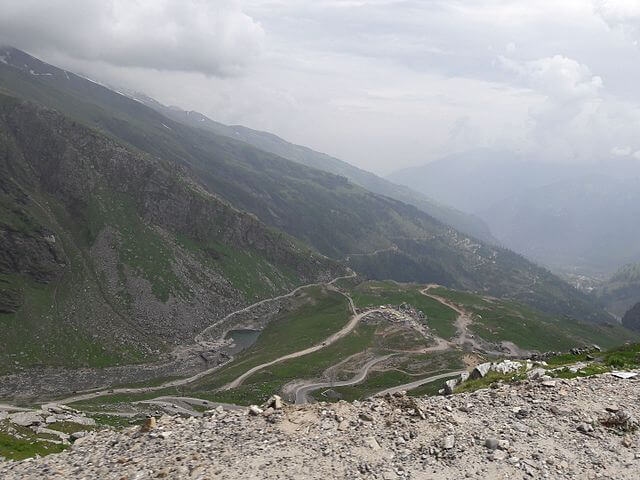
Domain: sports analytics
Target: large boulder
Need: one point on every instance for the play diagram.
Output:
(449, 386)
(506, 366)
(480, 371)
(26, 419)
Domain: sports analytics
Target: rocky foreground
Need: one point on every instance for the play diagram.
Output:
(580, 428)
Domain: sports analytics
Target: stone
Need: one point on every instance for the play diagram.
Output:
(480, 371)
(503, 444)
(624, 375)
(585, 428)
(491, 443)
(627, 441)
(448, 442)
(25, 419)
(78, 435)
(255, 410)
(506, 366)
(275, 402)
(372, 443)
(366, 417)
(498, 456)
(549, 383)
(149, 424)
(449, 386)
(536, 373)
(80, 420)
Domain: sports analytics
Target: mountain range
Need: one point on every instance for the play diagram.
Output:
(133, 229)
(572, 218)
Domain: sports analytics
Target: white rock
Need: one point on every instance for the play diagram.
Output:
(449, 386)
(536, 373)
(625, 375)
(480, 371)
(25, 419)
(255, 410)
(448, 442)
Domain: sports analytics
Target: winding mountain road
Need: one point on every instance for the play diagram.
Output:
(302, 391)
(348, 328)
(185, 381)
(417, 383)
(200, 337)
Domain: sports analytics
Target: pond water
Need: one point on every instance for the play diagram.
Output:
(242, 339)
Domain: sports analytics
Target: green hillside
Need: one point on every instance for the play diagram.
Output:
(109, 255)
(326, 211)
(468, 224)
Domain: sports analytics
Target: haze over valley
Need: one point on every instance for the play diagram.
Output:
(378, 239)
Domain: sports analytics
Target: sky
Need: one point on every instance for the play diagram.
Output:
(382, 84)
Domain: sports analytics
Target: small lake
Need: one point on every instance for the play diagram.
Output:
(242, 339)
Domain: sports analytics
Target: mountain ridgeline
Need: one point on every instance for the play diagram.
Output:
(140, 229)
(573, 218)
(465, 223)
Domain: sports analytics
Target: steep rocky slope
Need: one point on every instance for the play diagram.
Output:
(465, 223)
(564, 429)
(110, 255)
(631, 319)
(326, 211)
(622, 290)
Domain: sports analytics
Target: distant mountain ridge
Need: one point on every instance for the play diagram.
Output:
(465, 223)
(578, 218)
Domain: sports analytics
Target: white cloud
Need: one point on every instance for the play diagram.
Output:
(621, 151)
(558, 77)
(623, 15)
(577, 119)
(380, 83)
(211, 37)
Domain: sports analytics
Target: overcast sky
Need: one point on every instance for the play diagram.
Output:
(382, 84)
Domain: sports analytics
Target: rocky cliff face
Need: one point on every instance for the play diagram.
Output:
(123, 249)
(631, 319)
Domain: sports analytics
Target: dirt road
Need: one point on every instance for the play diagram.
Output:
(302, 391)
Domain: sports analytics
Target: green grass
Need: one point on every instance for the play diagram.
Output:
(489, 379)
(567, 359)
(115, 421)
(320, 313)
(430, 389)
(14, 448)
(497, 320)
(142, 249)
(439, 317)
(70, 427)
(587, 371)
(375, 382)
(627, 356)
(261, 385)
(405, 370)
(246, 270)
